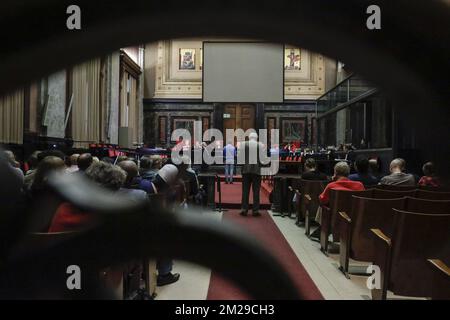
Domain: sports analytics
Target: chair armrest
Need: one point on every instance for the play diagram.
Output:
(382, 259)
(345, 216)
(382, 236)
(440, 265)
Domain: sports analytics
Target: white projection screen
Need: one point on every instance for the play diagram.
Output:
(243, 72)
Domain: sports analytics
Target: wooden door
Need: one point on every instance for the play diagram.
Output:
(239, 116)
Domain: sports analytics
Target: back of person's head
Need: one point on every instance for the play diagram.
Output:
(130, 168)
(84, 161)
(121, 158)
(310, 164)
(398, 164)
(374, 165)
(146, 163)
(73, 159)
(106, 175)
(429, 169)
(10, 157)
(156, 162)
(362, 164)
(341, 169)
(47, 166)
(33, 160)
(168, 173)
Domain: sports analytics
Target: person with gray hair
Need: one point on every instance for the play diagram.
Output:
(249, 155)
(106, 175)
(340, 181)
(398, 177)
(11, 158)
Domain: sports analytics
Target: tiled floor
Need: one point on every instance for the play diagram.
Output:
(323, 270)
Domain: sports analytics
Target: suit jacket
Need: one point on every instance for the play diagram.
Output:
(250, 167)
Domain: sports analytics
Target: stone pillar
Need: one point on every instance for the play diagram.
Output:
(340, 126)
(55, 113)
(113, 98)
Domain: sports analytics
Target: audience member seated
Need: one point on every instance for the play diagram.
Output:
(429, 179)
(398, 177)
(147, 171)
(362, 172)
(69, 218)
(14, 164)
(340, 181)
(311, 172)
(84, 161)
(33, 162)
(72, 163)
(132, 181)
(375, 169)
(46, 166)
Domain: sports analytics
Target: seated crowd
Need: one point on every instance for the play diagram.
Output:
(135, 179)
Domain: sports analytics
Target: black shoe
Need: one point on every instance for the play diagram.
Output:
(167, 279)
(256, 214)
(243, 213)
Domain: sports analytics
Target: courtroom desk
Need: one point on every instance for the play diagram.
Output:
(281, 194)
(291, 167)
(208, 179)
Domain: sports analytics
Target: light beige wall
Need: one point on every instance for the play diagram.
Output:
(150, 65)
(330, 73)
(164, 79)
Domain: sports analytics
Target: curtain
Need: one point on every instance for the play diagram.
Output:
(11, 118)
(86, 86)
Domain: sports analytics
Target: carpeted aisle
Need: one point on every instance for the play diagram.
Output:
(264, 229)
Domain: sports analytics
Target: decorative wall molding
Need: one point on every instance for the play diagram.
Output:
(172, 83)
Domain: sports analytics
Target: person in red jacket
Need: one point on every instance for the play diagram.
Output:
(340, 181)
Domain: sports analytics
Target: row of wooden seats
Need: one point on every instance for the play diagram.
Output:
(341, 201)
(308, 196)
(409, 231)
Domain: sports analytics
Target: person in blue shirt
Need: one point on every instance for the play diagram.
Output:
(229, 153)
(362, 172)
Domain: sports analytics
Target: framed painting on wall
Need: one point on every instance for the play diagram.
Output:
(187, 59)
(292, 59)
(293, 130)
(184, 123)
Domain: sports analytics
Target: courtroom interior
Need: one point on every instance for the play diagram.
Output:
(354, 210)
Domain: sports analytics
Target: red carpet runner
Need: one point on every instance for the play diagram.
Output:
(268, 233)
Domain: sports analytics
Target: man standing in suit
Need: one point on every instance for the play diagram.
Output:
(249, 156)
